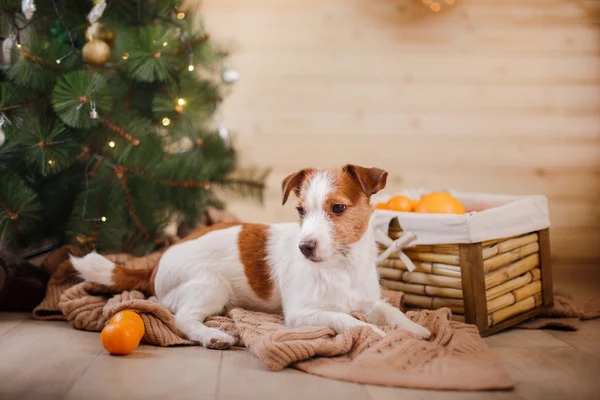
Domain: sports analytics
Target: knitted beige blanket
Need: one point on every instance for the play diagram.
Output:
(454, 358)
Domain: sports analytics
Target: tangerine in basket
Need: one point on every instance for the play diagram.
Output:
(381, 206)
(119, 338)
(131, 319)
(400, 203)
(440, 203)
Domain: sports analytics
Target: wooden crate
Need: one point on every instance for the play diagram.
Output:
(493, 285)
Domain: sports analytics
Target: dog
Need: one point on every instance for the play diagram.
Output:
(315, 272)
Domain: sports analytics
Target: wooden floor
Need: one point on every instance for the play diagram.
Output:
(48, 360)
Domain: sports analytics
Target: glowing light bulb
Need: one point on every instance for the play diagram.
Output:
(181, 101)
(103, 219)
(52, 163)
(190, 68)
(19, 46)
(180, 15)
(165, 44)
(166, 121)
(125, 56)
(111, 143)
(58, 61)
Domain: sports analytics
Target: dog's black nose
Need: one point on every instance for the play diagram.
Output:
(307, 247)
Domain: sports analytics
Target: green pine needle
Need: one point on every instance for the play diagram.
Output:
(41, 74)
(201, 98)
(148, 59)
(75, 94)
(19, 207)
(244, 183)
(12, 99)
(49, 146)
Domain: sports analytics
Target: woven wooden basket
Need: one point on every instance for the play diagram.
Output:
(493, 284)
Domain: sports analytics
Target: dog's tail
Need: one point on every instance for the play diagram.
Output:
(98, 269)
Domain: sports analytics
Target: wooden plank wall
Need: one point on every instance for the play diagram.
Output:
(499, 96)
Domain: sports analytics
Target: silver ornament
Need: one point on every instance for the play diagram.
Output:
(96, 11)
(223, 132)
(28, 8)
(7, 46)
(93, 112)
(2, 135)
(230, 75)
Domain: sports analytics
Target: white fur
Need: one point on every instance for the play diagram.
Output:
(200, 277)
(315, 225)
(95, 268)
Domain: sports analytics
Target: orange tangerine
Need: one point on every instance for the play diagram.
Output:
(440, 203)
(119, 339)
(381, 206)
(400, 203)
(132, 319)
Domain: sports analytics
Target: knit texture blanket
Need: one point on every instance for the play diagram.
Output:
(565, 314)
(455, 357)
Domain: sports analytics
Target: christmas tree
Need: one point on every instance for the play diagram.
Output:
(108, 128)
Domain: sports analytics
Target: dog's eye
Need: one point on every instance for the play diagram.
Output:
(300, 211)
(338, 208)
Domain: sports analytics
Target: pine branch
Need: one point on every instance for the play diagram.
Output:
(48, 145)
(147, 58)
(169, 182)
(249, 183)
(22, 103)
(120, 131)
(19, 206)
(184, 102)
(76, 94)
(44, 63)
(13, 103)
(193, 42)
(37, 68)
(131, 208)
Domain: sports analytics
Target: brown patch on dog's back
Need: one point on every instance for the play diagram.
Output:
(252, 245)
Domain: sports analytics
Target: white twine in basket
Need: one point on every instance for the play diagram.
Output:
(396, 246)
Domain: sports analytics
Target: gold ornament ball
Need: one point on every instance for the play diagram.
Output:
(96, 52)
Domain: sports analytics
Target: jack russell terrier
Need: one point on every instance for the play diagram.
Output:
(316, 271)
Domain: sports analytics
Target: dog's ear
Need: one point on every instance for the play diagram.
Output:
(371, 180)
(294, 181)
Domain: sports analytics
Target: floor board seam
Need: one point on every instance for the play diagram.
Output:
(81, 374)
(219, 376)
(576, 348)
(366, 389)
(20, 322)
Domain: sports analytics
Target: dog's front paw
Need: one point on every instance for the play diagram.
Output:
(219, 341)
(419, 331)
